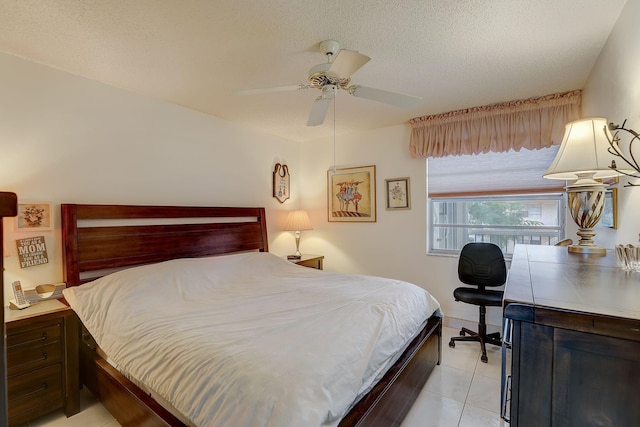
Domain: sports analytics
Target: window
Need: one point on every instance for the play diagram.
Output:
(503, 220)
(534, 210)
(494, 197)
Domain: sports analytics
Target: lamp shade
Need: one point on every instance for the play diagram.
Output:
(584, 149)
(297, 221)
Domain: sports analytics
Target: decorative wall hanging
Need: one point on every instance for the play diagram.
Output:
(34, 217)
(351, 194)
(32, 251)
(281, 182)
(398, 193)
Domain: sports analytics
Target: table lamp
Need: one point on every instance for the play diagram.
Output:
(297, 221)
(584, 156)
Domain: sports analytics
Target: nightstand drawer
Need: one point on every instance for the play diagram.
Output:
(35, 334)
(34, 393)
(25, 358)
(33, 348)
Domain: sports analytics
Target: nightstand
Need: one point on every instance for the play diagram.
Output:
(42, 361)
(311, 261)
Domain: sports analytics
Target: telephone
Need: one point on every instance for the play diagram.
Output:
(20, 302)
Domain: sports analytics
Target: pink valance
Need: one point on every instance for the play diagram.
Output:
(530, 123)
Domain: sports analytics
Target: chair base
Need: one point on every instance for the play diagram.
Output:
(483, 339)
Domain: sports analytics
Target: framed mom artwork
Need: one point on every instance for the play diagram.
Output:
(351, 194)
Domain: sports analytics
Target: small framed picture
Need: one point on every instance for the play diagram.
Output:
(34, 217)
(398, 193)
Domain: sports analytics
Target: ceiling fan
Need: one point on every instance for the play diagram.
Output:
(336, 74)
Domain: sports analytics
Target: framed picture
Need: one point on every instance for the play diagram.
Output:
(34, 217)
(281, 183)
(398, 193)
(351, 194)
(610, 213)
(32, 251)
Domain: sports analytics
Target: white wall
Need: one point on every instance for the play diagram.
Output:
(613, 91)
(65, 139)
(395, 245)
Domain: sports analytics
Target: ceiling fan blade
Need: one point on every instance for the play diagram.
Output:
(319, 110)
(271, 89)
(393, 98)
(346, 63)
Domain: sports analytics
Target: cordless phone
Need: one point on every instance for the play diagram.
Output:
(20, 302)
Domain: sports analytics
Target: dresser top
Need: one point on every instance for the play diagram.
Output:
(550, 277)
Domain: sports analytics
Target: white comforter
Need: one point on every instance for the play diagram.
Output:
(251, 340)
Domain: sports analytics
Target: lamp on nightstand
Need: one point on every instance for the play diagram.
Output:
(584, 156)
(297, 221)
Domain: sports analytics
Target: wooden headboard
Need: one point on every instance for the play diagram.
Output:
(99, 238)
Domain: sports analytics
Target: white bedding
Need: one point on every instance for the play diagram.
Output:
(251, 340)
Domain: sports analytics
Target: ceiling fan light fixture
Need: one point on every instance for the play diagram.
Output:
(336, 74)
(329, 91)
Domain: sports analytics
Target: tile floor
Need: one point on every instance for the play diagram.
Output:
(461, 392)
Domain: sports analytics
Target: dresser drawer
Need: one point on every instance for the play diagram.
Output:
(35, 393)
(33, 348)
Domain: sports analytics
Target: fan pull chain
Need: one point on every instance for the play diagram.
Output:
(334, 134)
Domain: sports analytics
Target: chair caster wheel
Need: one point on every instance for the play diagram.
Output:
(452, 344)
(484, 358)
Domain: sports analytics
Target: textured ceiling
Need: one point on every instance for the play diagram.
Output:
(198, 53)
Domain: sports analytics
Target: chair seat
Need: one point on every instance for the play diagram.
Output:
(476, 296)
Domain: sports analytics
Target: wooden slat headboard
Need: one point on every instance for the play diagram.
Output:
(93, 241)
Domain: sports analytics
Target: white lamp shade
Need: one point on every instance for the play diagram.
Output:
(584, 149)
(297, 221)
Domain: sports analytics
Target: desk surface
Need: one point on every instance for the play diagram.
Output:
(551, 277)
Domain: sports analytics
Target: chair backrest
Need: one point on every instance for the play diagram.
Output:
(482, 264)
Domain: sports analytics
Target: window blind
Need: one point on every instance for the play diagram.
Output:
(511, 172)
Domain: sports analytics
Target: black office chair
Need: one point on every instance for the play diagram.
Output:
(481, 265)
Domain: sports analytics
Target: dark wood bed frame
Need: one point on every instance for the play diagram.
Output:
(91, 248)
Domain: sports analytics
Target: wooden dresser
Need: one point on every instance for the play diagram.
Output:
(573, 324)
(42, 361)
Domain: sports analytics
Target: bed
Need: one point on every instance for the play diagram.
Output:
(101, 240)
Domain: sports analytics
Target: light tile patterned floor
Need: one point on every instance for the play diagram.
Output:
(461, 392)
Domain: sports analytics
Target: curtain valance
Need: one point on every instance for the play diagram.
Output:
(530, 123)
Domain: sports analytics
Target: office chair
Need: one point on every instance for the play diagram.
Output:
(481, 265)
